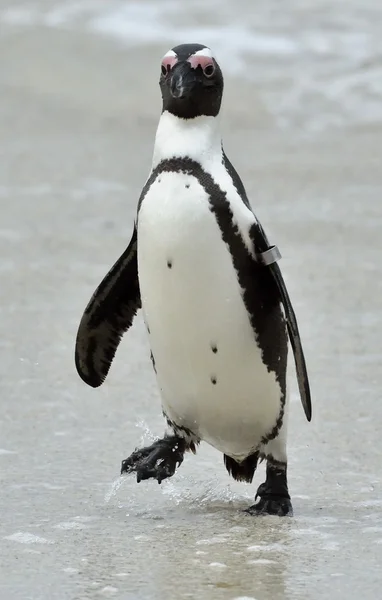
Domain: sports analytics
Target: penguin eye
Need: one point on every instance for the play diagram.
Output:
(169, 60)
(209, 70)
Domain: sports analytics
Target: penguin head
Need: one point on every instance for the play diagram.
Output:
(191, 82)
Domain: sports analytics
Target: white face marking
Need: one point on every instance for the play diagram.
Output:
(203, 58)
(169, 60)
(170, 54)
(205, 52)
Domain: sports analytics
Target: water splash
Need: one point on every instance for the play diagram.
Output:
(147, 436)
(204, 494)
(114, 487)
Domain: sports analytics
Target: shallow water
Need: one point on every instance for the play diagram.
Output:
(77, 119)
(318, 65)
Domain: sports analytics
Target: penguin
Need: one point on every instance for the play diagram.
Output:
(217, 312)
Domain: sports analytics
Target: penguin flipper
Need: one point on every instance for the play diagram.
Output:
(295, 340)
(107, 317)
(262, 246)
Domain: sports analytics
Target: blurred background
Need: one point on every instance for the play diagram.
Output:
(302, 123)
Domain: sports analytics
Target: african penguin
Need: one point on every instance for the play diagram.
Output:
(214, 302)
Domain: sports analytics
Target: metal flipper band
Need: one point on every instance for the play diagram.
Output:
(269, 257)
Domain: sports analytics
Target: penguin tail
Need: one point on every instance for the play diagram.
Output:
(244, 470)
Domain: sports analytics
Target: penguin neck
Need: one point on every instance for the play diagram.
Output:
(198, 138)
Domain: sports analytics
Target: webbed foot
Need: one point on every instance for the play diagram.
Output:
(273, 494)
(272, 505)
(158, 461)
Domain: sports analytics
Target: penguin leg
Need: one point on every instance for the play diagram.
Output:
(159, 460)
(273, 495)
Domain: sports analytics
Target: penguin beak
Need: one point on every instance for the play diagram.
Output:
(183, 81)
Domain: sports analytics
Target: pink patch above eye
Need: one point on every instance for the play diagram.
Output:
(169, 61)
(199, 60)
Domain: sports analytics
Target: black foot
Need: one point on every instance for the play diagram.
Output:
(273, 493)
(157, 461)
(272, 505)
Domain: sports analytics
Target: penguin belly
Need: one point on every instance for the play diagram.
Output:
(209, 366)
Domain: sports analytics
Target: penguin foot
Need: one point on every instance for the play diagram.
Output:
(272, 505)
(158, 461)
(273, 493)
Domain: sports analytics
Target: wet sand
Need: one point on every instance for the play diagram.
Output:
(77, 122)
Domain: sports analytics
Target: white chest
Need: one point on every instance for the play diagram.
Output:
(186, 274)
(209, 366)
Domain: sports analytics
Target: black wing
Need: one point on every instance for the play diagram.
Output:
(262, 246)
(107, 317)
